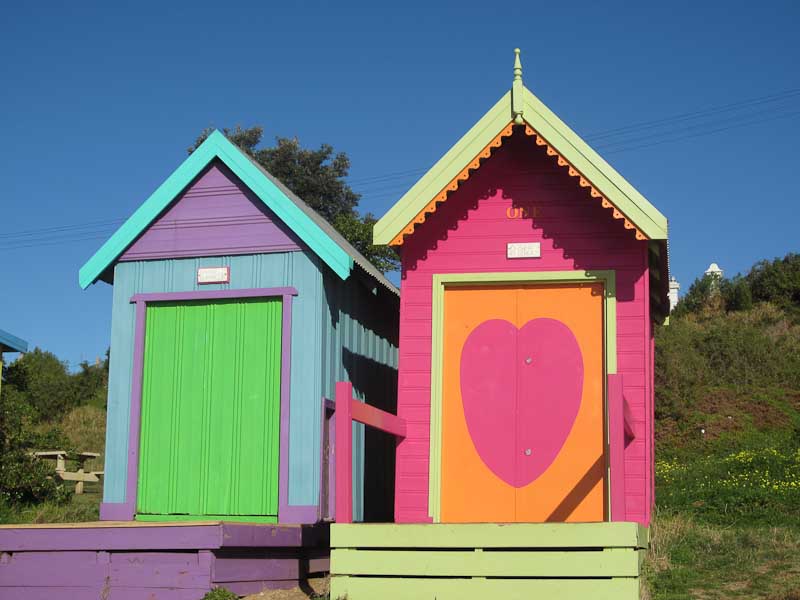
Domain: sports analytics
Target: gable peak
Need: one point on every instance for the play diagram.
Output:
(517, 101)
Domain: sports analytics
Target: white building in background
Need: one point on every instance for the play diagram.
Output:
(714, 270)
(674, 287)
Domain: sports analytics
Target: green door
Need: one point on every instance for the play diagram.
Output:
(210, 431)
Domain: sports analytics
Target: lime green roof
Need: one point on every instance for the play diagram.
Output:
(309, 227)
(521, 106)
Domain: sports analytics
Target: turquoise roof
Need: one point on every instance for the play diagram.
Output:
(309, 227)
(11, 343)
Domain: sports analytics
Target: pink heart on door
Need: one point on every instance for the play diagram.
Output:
(521, 390)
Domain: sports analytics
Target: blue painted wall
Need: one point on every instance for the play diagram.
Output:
(360, 332)
(296, 269)
(344, 331)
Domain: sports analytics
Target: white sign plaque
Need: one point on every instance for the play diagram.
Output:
(213, 275)
(526, 250)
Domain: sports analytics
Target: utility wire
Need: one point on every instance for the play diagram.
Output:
(706, 122)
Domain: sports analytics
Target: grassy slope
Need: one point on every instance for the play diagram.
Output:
(85, 428)
(728, 494)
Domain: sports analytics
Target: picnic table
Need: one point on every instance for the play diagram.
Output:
(81, 475)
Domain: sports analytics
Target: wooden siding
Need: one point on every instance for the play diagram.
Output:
(466, 561)
(217, 215)
(360, 335)
(469, 233)
(301, 270)
(210, 426)
(130, 561)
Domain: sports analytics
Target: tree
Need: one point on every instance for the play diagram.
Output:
(318, 178)
(91, 382)
(777, 281)
(736, 294)
(45, 382)
(23, 478)
(699, 298)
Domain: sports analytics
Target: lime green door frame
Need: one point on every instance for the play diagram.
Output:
(445, 280)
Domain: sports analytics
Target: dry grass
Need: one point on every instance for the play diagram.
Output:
(315, 587)
(85, 427)
(689, 559)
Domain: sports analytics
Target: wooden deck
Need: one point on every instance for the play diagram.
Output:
(159, 561)
(478, 561)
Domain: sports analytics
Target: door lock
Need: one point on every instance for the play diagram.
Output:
(527, 451)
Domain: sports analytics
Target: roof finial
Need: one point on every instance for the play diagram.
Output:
(516, 90)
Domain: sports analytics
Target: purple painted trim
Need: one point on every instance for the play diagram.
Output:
(286, 370)
(127, 511)
(287, 513)
(331, 463)
(108, 536)
(327, 468)
(298, 514)
(214, 294)
(116, 511)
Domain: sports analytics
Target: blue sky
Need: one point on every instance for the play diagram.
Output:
(98, 103)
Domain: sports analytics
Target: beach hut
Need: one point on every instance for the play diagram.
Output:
(10, 343)
(235, 310)
(532, 276)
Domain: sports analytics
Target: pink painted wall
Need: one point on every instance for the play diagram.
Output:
(469, 233)
(217, 215)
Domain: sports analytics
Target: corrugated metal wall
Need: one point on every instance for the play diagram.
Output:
(360, 335)
(295, 269)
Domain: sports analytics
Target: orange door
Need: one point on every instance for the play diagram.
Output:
(523, 413)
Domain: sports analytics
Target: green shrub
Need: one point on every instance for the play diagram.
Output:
(23, 478)
(220, 593)
(741, 350)
(45, 381)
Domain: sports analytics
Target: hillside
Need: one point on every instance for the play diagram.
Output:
(728, 440)
(727, 523)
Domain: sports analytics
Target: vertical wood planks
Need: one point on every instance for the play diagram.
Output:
(211, 408)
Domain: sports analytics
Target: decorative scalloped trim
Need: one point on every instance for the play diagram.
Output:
(463, 175)
(584, 182)
(473, 165)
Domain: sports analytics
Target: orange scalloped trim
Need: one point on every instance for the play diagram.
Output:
(473, 165)
(584, 181)
(463, 175)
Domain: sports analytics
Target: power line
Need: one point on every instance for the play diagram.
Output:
(390, 182)
(629, 130)
(695, 114)
(58, 229)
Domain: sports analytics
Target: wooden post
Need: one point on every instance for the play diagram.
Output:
(61, 463)
(344, 452)
(616, 443)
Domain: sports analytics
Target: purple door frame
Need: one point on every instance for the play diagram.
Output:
(126, 511)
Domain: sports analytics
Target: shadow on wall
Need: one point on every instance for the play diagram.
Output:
(358, 293)
(585, 235)
(377, 384)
